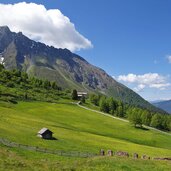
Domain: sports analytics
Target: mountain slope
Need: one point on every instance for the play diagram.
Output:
(165, 105)
(66, 68)
(78, 130)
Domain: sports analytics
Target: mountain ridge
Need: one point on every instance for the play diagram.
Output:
(68, 69)
(164, 105)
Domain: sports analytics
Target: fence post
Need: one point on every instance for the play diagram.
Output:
(110, 153)
(102, 152)
(135, 156)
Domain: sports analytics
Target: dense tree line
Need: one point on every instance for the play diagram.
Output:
(108, 105)
(141, 116)
(16, 77)
(137, 116)
(16, 85)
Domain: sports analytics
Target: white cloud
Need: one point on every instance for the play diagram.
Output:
(161, 86)
(149, 80)
(139, 88)
(48, 26)
(169, 58)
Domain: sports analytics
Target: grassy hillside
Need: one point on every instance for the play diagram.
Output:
(16, 85)
(76, 130)
(12, 159)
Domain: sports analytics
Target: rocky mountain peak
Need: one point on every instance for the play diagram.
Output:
(4, 29)
(69, 70)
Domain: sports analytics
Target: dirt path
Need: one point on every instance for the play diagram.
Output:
(124, 120)
(105, 114)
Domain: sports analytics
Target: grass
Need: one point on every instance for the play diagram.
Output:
(12, 159)
(77, 129)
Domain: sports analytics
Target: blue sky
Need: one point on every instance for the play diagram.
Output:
(131, 39)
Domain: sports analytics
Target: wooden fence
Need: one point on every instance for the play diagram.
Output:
(76, 153)
(45, 150)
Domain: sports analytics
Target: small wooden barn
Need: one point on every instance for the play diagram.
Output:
(45, 133)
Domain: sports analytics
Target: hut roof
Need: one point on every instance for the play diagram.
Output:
(82, 93)
(43, 130)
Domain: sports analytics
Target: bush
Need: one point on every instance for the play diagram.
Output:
(10, 84)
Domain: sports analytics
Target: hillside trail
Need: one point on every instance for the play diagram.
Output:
(124, 120)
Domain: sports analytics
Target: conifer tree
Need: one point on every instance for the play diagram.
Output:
(74, 95)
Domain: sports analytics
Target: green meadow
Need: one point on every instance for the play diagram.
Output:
(76, 129)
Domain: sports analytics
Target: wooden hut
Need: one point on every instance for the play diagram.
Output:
(45, 133)
(81, 94)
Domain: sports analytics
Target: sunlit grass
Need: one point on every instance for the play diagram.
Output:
(81, 130)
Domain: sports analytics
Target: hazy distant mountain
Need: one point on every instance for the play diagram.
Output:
(66, 68)
(165, 105)
(156, 101)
